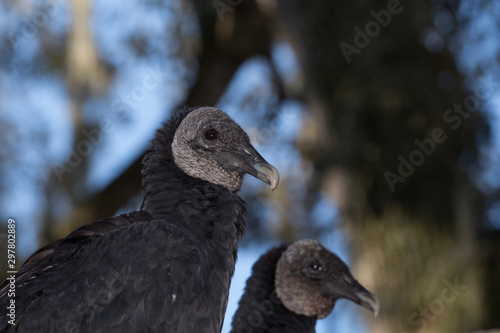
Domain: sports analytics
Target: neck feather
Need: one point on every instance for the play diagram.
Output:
(206, 210)
(260, 310)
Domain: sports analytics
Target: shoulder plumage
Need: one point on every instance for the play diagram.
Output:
(128, 280)
(55, 252)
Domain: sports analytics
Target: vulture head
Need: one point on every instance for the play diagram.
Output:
(310, 279)
(209, 145)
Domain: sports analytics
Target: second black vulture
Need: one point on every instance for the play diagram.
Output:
(293, 286)
(164, 268)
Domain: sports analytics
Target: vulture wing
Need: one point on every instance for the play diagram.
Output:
(67, 287)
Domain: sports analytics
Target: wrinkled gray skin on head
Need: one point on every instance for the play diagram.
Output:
(297, 286)
(310, 278)
(222, 161)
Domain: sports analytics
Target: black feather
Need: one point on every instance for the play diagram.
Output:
(165, 268)
(260, 310)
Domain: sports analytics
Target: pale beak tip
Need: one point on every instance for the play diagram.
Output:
(268, 174)
(275, 180)
(370, 302)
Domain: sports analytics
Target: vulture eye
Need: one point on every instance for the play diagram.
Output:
(316, 266)
(211, 134)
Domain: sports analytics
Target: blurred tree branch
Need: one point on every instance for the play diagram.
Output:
(225, 45)
(367, 113)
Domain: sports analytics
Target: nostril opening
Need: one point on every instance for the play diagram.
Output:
(348, 279)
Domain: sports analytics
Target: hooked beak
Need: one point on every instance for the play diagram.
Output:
(352, 290)
(246, 159)
(369, 301)
(268, 174)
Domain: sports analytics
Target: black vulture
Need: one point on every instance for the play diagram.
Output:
(164, 268)
(293, 286)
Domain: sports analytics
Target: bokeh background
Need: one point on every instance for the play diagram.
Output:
(340, 96)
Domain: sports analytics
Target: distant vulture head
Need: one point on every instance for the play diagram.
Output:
(309, 280)
(209, 145)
